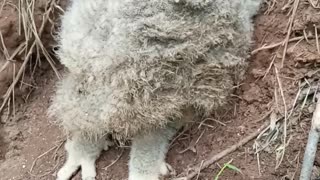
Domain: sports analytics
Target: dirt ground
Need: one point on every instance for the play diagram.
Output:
(31, 146)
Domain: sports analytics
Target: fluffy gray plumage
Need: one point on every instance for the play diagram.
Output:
(136, 64)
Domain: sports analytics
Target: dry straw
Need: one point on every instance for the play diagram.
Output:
(32, 45)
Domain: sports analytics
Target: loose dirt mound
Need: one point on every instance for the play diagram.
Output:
(31, 147)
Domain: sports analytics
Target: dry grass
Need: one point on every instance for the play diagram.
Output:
(32, 47)
(275, 138)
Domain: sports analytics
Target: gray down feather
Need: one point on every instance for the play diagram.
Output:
(135, 65)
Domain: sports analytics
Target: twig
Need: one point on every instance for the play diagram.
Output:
(297, 167)
(42, 155)
(311, 147)
(285, 117)
(270, 66)
(286, 41)
(280, 43)
(220, 155)
(314, 5)
(199, 170)
(57, 149)
(48, 172)
(270, 7)
(32, 42)
(258, 161)
(179, 135)
(211, 119)
(192, 145)
(317, 40)
(111, 164)
(2, 6)
(16, 80)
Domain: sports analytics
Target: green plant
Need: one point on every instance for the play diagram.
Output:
(229, 166)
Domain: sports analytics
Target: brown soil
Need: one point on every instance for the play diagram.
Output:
(31, 145)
